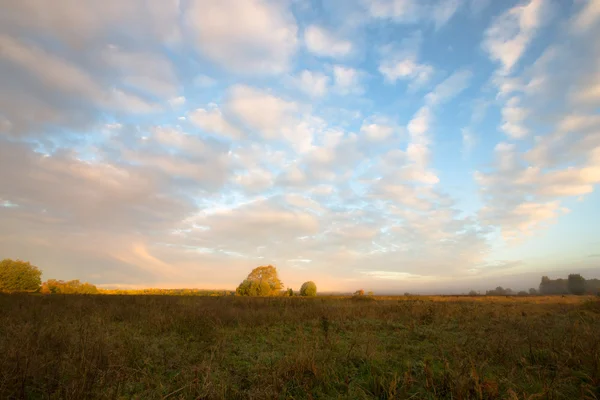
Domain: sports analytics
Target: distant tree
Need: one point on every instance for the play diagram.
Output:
(19, 276)
(69, 287)
(370, 293)
(308, 289)
(533, 292)
(472, 293)
(592, 286)
(554, 286)
(290, 292)
(406, 294)
(262, 281)
(359, 292)
(523, 293)
(499, 291)
(576, 284)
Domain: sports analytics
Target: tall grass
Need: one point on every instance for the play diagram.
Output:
(155, 347)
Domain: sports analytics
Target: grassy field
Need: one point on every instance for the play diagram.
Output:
(156, 347)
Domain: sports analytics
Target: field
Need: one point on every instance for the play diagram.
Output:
(157, 347)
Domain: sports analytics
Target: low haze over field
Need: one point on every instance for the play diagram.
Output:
(392, 145)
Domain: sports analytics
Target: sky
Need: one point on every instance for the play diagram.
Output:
(389, 145)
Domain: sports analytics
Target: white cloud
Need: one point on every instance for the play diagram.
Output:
(63, 76)
(78, 23)
(514, 116)
(406, 69)
(347, 79)
(213, 121)
(413, 11)
(260, 110)
(444, 11)
(313, 83)
(377, 132)
(323, 43)
(145, 71)
(450, 87)
(510, 34)
(204, 81)
(587, 16)
(253, 36)
(469, 141)
(177, 101)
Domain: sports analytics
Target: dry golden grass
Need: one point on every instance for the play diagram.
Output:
(156, 347)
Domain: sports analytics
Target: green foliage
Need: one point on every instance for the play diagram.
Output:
(70, 287)
(576, 284)
(19, 276)
(290, 292)
(253, 288)
(262, 281)
(308, 289)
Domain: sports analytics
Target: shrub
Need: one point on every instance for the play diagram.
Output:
(308, 289)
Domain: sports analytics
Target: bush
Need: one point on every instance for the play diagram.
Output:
(19, 276)
(308, 289)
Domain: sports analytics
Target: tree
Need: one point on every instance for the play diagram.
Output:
(69, 287)
(290, 292)
(532, 291)
(262, 281)
(522, 293)
(19, 276)
(472, 293)
(576, 284)
(308, 289)
(359, 292)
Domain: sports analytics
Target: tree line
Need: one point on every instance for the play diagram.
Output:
(574, 284)
(22, 276)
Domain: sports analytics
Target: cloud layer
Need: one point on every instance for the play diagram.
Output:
(183, 143)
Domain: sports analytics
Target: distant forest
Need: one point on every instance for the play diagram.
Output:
(574, 284)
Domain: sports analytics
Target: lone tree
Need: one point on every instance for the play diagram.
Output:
(262, 281)
(19, 276)
(308, 289)
(576, 284)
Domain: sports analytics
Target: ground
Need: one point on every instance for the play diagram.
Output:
(176, 347)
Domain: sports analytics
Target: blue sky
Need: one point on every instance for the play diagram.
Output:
(390, 145)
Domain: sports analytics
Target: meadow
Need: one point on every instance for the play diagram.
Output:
(183, 347)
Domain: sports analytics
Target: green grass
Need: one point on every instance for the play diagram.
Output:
(155, 347)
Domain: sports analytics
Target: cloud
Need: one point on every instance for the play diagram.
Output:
(413, 11)
(406, 69)
(457, 82)
(323, 43)
(510, 34)
(204, 81)
(145, 71)
(587, 16)
(313, 83)
(254, 36)
(57, 91)
(347, 79)
(212, 121)
(513, 116)
(81, 23)
(377, 132)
